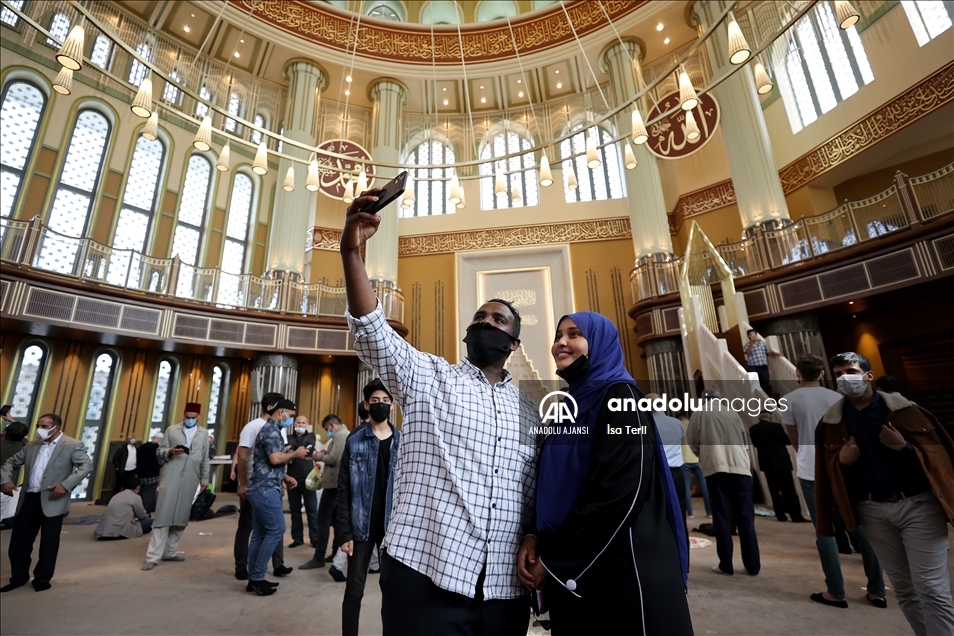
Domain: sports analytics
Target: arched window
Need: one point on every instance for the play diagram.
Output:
(441, 12)
(928, 19)
(26, 391)
(10, 18)
(595, 184)
(818, 65)
(192, 209)
(387, 11)
(76, 190)
(234, 108)
(258, 120)
(495, 9)
(217, 400)
(59, 29)
(102, 51)
(503, 144)
(141, 195)
(236, 238)
(21, 108)
(201, 110)
(137, 71)
(165, 391)
(431, 196)
(98, 410)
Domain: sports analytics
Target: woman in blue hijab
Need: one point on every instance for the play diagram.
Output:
(610, 550)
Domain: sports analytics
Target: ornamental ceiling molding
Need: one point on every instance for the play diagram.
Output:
(322, 24)
(932, 93)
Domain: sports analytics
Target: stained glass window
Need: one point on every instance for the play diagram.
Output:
(259, 120)
(59, 29)
(431, 195)
(503, 144)
(75, 191)
(818, 65)
(162, 404)
(10, 18)
(928, 18)
(29, 377)
(234, 107)
(137, 71)
(201, 110)
(596, 184)
(97, 416)
(140, 196)
(102, 51)
(20, 112)
(192, 208)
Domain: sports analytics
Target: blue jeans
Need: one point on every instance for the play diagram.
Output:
(268, 528)
(146, 525)
(831, 560)
(688, 470)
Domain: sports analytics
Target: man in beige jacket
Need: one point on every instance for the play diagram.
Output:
(720, 439)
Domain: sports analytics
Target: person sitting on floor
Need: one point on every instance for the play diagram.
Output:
(125, 516)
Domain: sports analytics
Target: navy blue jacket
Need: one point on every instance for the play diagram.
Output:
(356, 479)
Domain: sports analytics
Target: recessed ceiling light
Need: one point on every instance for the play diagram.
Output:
(445, 89)
(666, 41)
(481, 86)
(242, 41)
(520, 94)
(348, 79)
(193, 15)
(557, 71)
(659, 27)
(519, 81)
(559, 84)
(483, 100)
(236, 54)
(445, 102)
(851, 302)
(347, 92)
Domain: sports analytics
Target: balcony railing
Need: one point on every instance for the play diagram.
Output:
(908, 201)
(32, 245)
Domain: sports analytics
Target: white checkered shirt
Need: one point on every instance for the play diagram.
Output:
(466, 475)
(757, 355)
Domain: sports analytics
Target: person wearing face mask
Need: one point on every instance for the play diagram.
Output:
(264, 492)
(185, 449)
(606, 502)
(464, 500)
(54, 464)
(888, 464)
(365, 485)
(299, 469)
(124, 464)
(331, 460)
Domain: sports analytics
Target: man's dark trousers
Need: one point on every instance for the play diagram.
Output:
(731, 498)
(354, 588)
(326, 515)
(28, 522)
(784, 498)
(296, 496)
(242, 536)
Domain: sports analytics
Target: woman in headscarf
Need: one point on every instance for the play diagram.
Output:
(609, 547)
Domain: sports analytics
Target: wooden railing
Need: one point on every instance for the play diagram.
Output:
(32, 245)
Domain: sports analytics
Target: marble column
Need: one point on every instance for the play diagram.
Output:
(647, 208)
(273, 372)
(747, 144)
(294, 212)
(388, 96)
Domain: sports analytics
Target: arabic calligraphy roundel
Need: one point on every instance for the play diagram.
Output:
(667, 137)
(332, 182)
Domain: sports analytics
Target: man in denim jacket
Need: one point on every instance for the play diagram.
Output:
(365, 486)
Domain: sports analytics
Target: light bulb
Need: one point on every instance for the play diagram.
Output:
(312, 182)
(546, 178)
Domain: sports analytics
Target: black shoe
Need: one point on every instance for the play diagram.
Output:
(799, 520)
(295, 544)
(251, 585)
(283, 571)
(12, 586)
(262, 588)
(375, 571)
(41, 586)
(337, 574)
(782, 518)
(820, 598)
(877, 602)
(312, 564)
(241, 575)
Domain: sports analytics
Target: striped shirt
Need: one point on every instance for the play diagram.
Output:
(466, 475)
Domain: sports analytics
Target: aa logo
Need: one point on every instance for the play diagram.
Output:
(558, 411)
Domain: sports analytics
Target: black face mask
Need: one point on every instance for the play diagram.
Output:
(487, 344)
(379, 412)
(576, 370)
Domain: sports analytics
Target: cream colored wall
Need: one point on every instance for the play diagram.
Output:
(897, 63)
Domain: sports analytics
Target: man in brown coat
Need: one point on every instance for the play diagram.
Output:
(889, 465)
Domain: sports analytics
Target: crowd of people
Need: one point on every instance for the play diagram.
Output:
(475, 520)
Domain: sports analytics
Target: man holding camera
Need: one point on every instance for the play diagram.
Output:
(185, 449)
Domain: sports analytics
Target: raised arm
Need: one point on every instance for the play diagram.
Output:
(359, 227)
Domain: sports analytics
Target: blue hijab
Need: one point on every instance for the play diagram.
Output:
(565, 459)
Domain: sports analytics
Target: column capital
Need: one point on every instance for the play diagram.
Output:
(375, 87)
(304, 64)
(633, 46)
(699, 15)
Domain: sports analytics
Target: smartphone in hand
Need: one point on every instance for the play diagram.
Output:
(392, 190)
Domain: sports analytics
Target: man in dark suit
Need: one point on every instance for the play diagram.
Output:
(54, 464)
(147, 467)
(771, 441)
(125, 464)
